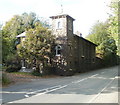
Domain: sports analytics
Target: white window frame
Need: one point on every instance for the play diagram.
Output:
(57, 48)
(58, 24)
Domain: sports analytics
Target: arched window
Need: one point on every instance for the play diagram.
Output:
(58, 49)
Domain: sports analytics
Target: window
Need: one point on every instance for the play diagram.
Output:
(58, 49)
(93, 60)
(70, 47)
(58, 24)
(70, 25)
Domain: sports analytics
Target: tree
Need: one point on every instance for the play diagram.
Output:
(111, 29)
(106, 48)
(15, 26)
(109, 51)
(98, 35)
(113, 21)
(18, 24)
(37, 46)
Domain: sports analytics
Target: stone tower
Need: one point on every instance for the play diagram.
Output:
(62, 25)
(62, 28)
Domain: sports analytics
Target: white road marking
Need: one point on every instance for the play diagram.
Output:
(52, 90)
(26, 96)
(101, 91)
(79, 80)
(8, 92)
(10, 102)
(117, 77)
(84, 79)
(93, 75)
(46, 89)
(13, 92)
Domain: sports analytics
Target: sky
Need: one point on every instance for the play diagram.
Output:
(85, 12)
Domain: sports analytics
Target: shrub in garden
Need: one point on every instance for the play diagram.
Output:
(5, 79)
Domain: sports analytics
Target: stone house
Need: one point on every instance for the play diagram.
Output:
(73, 52)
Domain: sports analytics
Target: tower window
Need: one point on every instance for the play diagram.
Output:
(70, 25)
(58, 49)
(58, 25)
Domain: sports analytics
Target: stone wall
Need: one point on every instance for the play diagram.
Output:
(84, 54)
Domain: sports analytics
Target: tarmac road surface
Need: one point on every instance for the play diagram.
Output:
(99, 86)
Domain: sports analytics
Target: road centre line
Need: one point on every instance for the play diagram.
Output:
(84, 79)
(43, 89)
(93, 75)
(29, 92)
(52, 90)
(48, 90)
(26, 96)
(79, 80)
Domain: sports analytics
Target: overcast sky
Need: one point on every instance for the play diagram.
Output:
(85, 12)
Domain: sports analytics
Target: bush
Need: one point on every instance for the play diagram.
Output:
(35, 73)
(12, 63)
(13, 68)
(110, 60)
(5, 79)
(48, 70)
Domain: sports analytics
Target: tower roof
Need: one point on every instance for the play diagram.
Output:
(61, 15)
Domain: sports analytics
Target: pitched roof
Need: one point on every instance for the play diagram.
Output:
(85, 40)
(21, 35)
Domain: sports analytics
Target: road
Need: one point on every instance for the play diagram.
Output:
(99, 86)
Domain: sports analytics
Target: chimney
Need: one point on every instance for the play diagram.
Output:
(80, 34)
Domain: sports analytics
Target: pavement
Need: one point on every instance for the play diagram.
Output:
(99, 86)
